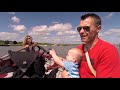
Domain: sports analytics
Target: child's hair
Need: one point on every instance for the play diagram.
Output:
(77, 53)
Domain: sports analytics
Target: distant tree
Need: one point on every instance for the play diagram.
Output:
(6, 42)
(1, 40)
(14, 42)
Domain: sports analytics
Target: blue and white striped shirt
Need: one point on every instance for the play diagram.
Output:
(72, 69)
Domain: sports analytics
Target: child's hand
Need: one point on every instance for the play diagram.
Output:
(62, 58)
(52, 51)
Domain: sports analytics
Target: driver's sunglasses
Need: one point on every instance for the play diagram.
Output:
(28, 38)
(86, 28)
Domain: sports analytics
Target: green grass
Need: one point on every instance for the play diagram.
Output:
(2, 43)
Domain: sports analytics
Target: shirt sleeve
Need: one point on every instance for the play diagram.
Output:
(108, 63)
(68, 65)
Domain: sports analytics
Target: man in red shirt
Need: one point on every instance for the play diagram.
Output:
(104, 56)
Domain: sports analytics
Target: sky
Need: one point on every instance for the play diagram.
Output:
(55, 27)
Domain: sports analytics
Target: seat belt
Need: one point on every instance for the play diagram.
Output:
(89, 63)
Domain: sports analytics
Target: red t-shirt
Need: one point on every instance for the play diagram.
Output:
(105, 60)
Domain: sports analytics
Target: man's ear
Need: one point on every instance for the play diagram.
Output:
(98, 28)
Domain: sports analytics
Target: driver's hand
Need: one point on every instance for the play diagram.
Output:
(26, 46)
(35, 44)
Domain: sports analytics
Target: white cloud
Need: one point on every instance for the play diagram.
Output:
(112, 32)
(67, 33)
(60, 33)
(112, 35)
(110, 15)
(19, 28)
(41, 28)
(55, 33)
(38, 33)
(71, 32)
(15, 19)
(13, 13)
(100, 34)
(60, 27)
(8, 36)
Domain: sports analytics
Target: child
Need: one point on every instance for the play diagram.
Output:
(71, 63)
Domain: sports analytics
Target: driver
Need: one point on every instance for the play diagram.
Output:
(28, 43)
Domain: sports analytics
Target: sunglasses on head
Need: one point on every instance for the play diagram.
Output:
(86, 28)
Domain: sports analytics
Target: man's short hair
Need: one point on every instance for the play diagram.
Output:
(96, 18)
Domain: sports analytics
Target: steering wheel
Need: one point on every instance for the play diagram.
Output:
(38, 48)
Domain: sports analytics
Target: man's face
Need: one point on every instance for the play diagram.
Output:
(87, 30)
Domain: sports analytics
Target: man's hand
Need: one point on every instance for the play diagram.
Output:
(64, 74)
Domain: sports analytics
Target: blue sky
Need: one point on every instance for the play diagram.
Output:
(55, 27)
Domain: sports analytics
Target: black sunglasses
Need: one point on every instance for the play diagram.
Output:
(28, 38)
(86, 28)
